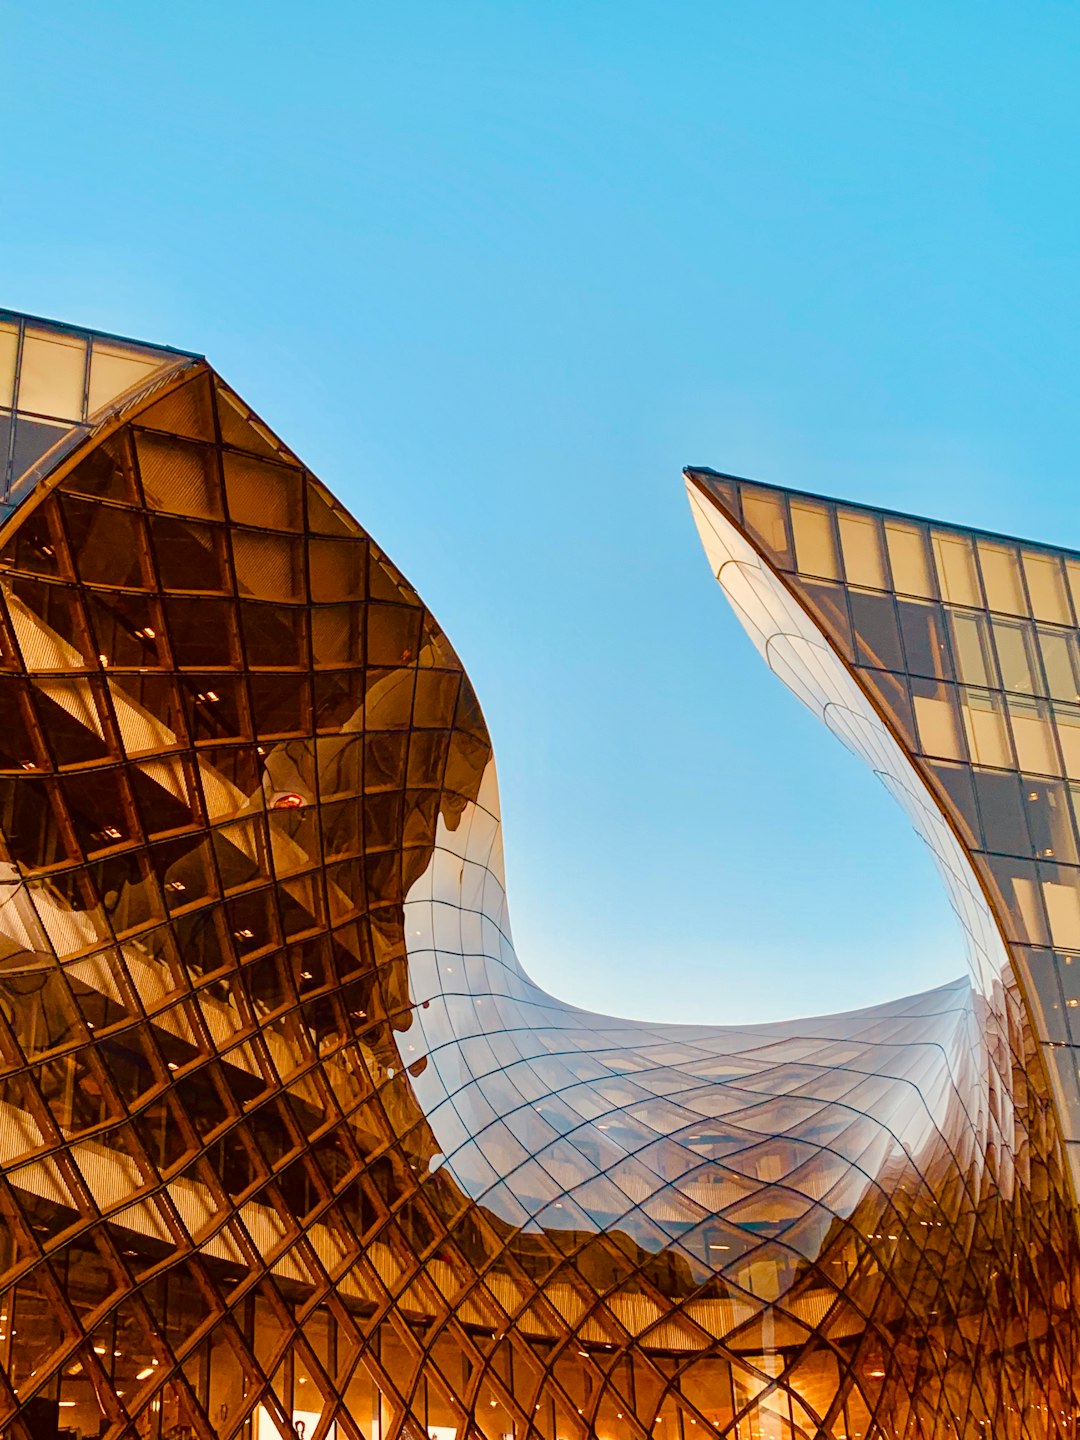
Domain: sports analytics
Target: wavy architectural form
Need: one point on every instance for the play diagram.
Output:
(290, 1144)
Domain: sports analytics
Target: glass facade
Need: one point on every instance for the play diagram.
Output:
(291, 1145)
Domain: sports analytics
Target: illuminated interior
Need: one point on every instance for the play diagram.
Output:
(290, 1144)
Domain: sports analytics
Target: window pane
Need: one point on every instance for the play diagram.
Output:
(864, 556)
(815, 549)
(114, 369)
(1049, 818)
(1033, 735)
(909, 559)
(52, 373)
(1060, 663)
(1067, 721)
(1046, 586)
(9, 343)
(876, 635)
(971, 648)
(983, 714)
(764, 515)
(925, 646)
(1001, 576)
(935, 715)
(1015, 658)
(956, 569)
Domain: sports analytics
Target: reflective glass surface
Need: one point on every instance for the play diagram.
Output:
(56, 381)
(290, 1144)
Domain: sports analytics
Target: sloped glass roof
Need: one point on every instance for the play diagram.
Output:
(56, 381)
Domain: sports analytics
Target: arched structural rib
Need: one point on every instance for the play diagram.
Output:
(289, 1141)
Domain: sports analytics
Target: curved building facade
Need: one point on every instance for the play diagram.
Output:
(291, 1145)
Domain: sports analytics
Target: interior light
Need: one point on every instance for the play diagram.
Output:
(104, 659)
(289, 801)
(145, 1373)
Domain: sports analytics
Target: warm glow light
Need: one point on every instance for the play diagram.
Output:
(289, 801)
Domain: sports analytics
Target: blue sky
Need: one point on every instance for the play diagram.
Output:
(497, 271)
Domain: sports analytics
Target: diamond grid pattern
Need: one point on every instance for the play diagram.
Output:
(289, 1142)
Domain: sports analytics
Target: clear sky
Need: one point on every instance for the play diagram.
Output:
(497, 271)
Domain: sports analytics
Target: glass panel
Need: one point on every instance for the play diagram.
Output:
(179, 476)
(956, 568)
(1061, 663)
(52, 374)
(936, 718)
(815, 548)
(909, 559)
(1002, 813)
(260, 493)
(764, 513)
(1049, 818)
(1046, 586)
(925, 647)
(829, 603)
(983, 714)
(877, 637)
(1061, 896)
(268, 567)
(1001, 576)
(972, 649)
(864, 551)
(1040, 970)
(1016, 657)
(115, 368)
(1033, 734)
(9, 344)
(1067, 721)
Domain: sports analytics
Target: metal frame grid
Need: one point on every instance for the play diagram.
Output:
(289, 1142)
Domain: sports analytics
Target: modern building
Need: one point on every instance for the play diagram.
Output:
(291, 1145)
